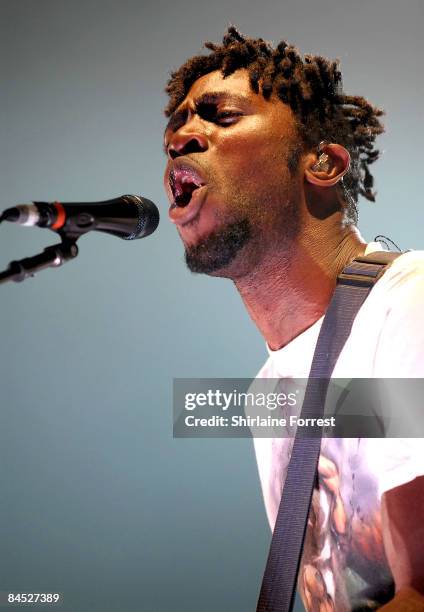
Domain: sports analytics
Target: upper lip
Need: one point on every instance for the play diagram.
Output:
(180, 173)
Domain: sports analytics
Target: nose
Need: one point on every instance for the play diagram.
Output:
(187, 140)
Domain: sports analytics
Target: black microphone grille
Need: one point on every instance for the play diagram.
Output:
(148, 219)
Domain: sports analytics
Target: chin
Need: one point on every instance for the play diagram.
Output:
(216, 253)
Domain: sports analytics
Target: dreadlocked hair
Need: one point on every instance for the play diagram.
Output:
(311, 85)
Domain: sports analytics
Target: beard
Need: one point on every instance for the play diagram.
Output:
(255, 225)
(219, 248)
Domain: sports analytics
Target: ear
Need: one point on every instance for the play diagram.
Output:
(332, 168)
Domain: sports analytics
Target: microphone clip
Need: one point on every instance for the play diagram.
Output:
(51, 257)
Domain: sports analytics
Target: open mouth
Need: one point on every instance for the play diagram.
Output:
(183, 183)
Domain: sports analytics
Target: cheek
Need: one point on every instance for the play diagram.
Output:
(255, 153)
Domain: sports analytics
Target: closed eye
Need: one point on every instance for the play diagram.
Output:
(210, 112)
(227, 117)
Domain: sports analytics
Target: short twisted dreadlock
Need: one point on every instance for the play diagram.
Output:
(311, 86)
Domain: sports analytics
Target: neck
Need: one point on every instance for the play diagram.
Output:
(287, 292)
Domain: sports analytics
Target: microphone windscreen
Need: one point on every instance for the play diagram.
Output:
(148, 220)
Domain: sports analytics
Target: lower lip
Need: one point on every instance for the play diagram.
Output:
(180, 215)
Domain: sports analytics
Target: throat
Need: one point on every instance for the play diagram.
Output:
(286, 296)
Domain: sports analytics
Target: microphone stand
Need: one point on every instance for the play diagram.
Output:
(52, 257)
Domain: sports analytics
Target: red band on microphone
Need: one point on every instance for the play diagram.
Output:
(61, 216)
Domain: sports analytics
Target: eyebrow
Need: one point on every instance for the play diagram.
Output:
(207, 99)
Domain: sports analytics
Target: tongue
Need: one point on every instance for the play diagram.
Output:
(184, 198)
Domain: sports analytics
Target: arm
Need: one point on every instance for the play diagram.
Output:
(402, 510)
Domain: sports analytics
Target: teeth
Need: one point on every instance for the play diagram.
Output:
(189, 179)
(183, 178)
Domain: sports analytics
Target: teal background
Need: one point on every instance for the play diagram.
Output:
(98, 501)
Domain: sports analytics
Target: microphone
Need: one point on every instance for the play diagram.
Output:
(128, 217)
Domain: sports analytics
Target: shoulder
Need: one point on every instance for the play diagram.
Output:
(401, 288)
(398, 300)
(407, 268)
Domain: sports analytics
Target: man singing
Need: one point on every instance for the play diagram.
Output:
(267, 157)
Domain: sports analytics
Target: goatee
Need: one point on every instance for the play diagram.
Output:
(219, 249)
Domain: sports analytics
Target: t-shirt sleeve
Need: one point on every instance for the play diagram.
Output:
(402, 461)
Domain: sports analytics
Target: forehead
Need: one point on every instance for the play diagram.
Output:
(236, 83)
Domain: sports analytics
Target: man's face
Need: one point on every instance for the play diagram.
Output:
(233, 195)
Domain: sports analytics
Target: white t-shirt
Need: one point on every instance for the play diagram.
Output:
(344, 565)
